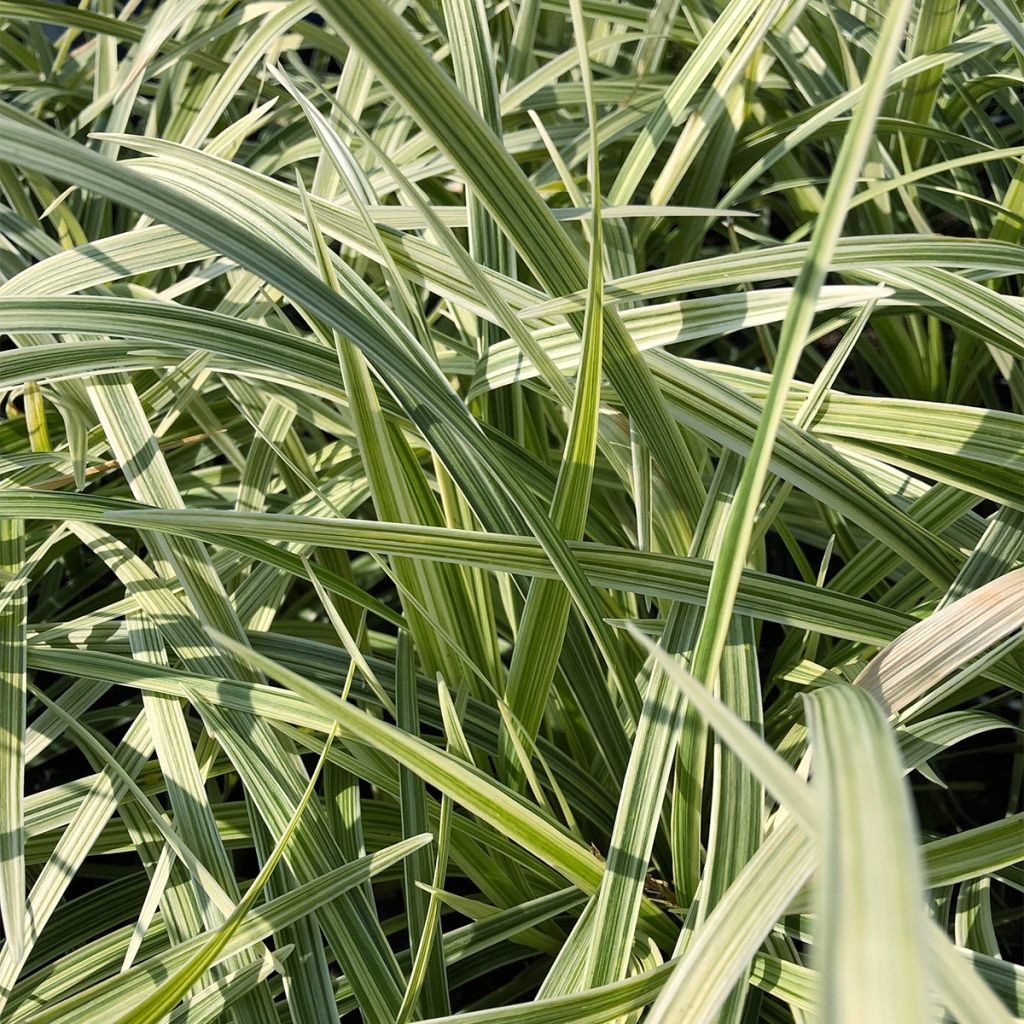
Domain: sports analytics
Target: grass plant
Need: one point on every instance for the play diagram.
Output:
(511, 511)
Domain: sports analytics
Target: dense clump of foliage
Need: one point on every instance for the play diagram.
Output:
(511, 511)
